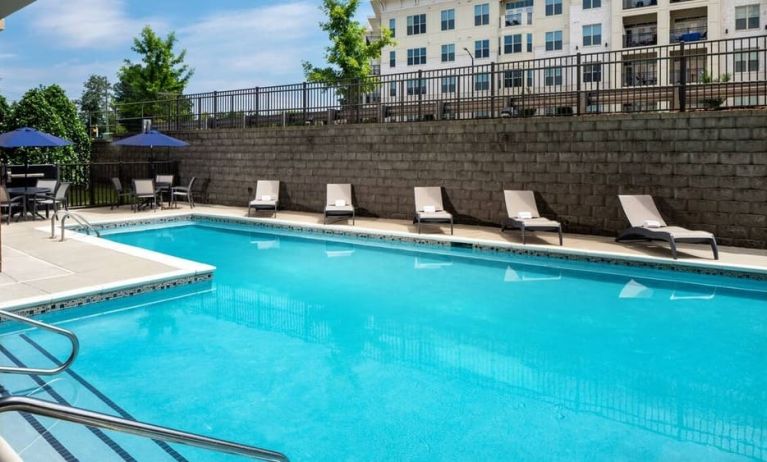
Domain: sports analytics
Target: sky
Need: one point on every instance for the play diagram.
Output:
(230, 43)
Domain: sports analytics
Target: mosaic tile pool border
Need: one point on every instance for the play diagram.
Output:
(87, 299)
(670, 265)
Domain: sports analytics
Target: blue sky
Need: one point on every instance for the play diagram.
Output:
(230, 43)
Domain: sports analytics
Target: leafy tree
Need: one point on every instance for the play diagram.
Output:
(160, 73)
(350, 54)
(94, 102)
(5, 112)
(49, 110)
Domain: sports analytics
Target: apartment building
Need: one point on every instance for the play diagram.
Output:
(441, 34)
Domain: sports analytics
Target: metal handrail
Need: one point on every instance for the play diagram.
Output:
(108, 422)
(78, 218)
(57, 330)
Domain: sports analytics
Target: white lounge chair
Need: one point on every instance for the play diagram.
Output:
(647, 224)
(522, 213)
(429, 208)
(267, 197)
(339, 202)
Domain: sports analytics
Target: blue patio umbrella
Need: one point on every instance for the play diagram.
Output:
(151, 139)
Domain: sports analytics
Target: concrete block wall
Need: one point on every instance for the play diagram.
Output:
(708, 170)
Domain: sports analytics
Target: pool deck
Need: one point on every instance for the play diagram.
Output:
(36, 267)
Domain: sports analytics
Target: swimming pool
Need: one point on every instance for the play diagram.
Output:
(330, 349)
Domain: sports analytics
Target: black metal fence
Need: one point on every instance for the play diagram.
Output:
(92, 183)
(682, 76)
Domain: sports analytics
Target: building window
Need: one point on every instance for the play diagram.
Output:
(482, 49)
(553, 7)
(482, 14)
(448, 53)
(592, 73)
(392, 89)
(416, 56)
(416, 24)
(519, 4)
(592, 35)
(512, 44)
(554, 40)
(513, 79)
(552, 76)
(482, 82)
(416, 87)
(747, 61)
(393, 27)
(448, 19)
(747, 17)
(392, 58)
(529, 43)
(514, 18)
(449, 84)
(589, 4)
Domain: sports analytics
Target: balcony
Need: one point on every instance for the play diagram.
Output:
(631, 4)
(640, 38)
(688, 34)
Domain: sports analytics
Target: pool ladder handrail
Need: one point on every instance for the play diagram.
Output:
(156, 432)
(76, 217)
(50, 328)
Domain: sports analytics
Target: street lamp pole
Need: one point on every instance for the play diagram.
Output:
(473, 77)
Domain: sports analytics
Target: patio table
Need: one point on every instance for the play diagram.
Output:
(29, 195)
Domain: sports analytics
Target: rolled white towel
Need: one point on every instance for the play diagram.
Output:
(340, 203)
(429, 208)
(524, 215)
(266, 197)
(651, 224)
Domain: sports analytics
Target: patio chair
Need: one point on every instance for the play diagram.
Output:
(144, 194)
(267, 196)
(56, 200)
(647, 224)
(10, 204)
(339, 202)
(428, 207)
(47, 184)
(183, 192)
(164, 185)
(522, 213)
(121, 194)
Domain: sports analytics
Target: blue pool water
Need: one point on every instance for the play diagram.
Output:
(362, 351)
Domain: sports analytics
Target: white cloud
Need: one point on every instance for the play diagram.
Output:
(88, 23)
(256, 46)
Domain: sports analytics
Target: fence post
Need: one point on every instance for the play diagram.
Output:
(215, 109)
(199, 113)
(492, 90)
(420, 93)
(257, 104)
(578, 96)
(305, 102)
(682, 78)
(457, 114)
(91, 186)
(402, 100)
(178, 107)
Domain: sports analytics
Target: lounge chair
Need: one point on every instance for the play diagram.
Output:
(10, 204)
(184, 192)
(428, 207)
(144, 194)
(267, 197)
(121, 193)
(522, 213)
(339, 202)
(647, 224)
(56, 200)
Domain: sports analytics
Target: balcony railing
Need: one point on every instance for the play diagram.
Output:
(640, 39)
(629, 4)
(688, 34)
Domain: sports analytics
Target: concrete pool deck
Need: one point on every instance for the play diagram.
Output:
(36, 267)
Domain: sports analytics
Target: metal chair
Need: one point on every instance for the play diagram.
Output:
(10, 204)
(145, 194)
(183, 191)
(56, 200)
(121, 194)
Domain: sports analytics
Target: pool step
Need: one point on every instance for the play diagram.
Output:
(69, 388)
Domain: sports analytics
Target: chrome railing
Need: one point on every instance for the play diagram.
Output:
(57, 330)
(108, 422)
(79, 219)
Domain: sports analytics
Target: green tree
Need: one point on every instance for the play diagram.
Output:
(5, 112)
(160, 75)
(350, 54)
(49, 110)
(94, 102)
